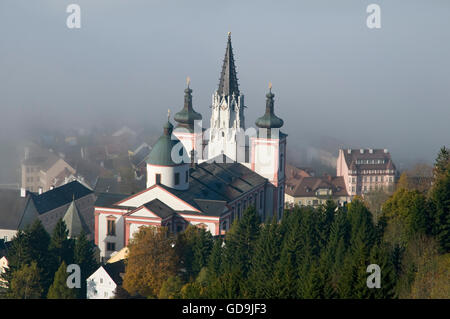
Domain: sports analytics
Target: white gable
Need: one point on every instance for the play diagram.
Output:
(156, 192)
(100, 285)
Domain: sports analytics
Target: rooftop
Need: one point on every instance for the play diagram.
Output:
(59, 196)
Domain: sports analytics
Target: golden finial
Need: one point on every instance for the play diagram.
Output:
(270, 86)
(188, 81)
(168, 114)
(229, 34)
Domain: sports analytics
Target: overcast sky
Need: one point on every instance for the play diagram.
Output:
(332, 76)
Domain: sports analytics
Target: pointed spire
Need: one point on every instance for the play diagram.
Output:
(228, 84)
(74, 222)
(187, 115)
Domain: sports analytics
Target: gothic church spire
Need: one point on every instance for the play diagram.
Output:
(228, 83)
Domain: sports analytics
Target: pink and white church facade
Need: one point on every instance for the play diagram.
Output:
(203, 177)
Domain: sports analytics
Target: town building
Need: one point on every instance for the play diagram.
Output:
(44, 171)
(315, 191)
(13, 203)
(204, 182)
(72, 202)
(103, 282)
(366, 170)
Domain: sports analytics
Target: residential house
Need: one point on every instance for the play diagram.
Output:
(315, 191)
(103, 282)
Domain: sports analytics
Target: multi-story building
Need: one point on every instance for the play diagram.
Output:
(366, 170)
(42, 172)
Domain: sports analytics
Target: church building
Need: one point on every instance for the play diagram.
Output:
(203, 177)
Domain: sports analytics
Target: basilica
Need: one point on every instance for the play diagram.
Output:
(203, 177)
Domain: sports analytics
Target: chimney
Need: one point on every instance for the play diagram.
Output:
(370, 151)
(23, 192)
(385, 151)
(361, 151)
(349, 151)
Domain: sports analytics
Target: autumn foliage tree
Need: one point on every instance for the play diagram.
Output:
(152, 259)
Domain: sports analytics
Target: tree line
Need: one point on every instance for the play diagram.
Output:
(311, 253)
(37, 263)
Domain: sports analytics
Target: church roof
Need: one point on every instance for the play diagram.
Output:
(108, 199)
(228, 83)
(161, 153)
(59, 196)
(215, 183)
(115, 271)
(159, 208)
(74, 222)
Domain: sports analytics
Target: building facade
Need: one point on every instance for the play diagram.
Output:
(366, 170)
(315, 191)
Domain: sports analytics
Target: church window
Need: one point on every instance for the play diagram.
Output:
(111, 227)
(187, 176)
(158, 178)
(177, 178)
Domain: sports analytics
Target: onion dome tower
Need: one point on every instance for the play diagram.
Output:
(269, 120)
(168, 162)
(268, 151)
(190, 134)
(187, 116)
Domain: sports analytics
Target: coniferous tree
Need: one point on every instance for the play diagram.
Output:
(440, 213)
(194, 246)
(239, 247)
(31, 245)
(83, 256)
(442, 161)
(287, 268)
(26, 282)
(59, 288)
(383, 257)
(214, 266)
(262, 283)
(60, 245)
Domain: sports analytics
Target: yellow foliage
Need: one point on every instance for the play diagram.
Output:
(151, 261)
